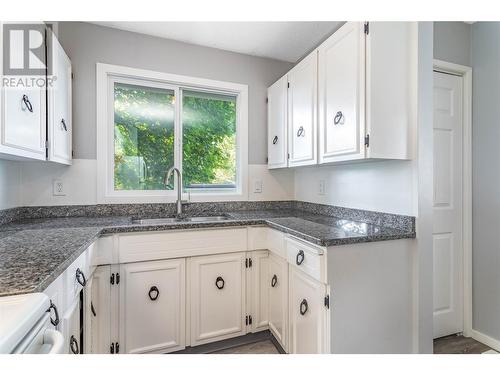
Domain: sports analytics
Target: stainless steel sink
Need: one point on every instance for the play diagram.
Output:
(207, 218)
(160, 220)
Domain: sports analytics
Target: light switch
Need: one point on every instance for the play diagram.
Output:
(257, 186)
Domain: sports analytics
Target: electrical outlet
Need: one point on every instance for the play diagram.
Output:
(257, 186)
(322, 187)
(58, 187)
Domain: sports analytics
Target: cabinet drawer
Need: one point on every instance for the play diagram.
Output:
(72, 283)
(276, 242)
(177, 244)
(307, 258)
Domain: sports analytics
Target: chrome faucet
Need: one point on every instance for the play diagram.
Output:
(179, 187)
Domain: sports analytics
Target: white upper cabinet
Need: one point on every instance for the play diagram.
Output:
(59, 106)
(302, 112)
(276, 124)
(35, 121)
(341, 94)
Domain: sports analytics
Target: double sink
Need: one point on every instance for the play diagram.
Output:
(170, 220)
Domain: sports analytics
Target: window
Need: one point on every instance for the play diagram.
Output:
(149, 122)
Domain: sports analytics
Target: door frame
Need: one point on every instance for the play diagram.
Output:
(465, 72)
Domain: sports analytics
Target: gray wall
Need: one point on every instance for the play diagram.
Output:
(87, 44)
(452, 42)
(486, 177)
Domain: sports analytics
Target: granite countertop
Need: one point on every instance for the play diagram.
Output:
(34, 252)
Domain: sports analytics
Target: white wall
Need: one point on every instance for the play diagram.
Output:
(10, 184)
(79, 182)
(385, 186)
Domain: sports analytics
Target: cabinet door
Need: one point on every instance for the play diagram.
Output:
(71, 329)
(59, 106)
(217, 294)
(307, 314)
(152, 306)
(277, 283)
(277, 152)
(302, 112)
(98, 312)
(257, 289)
(341, 94)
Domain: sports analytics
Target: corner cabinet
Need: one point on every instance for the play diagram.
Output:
(364, 107)
(277, 104)
(35, 122)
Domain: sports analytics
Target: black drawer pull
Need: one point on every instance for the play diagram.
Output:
(301, 132)
(219, 283)
(338, 119)
(275, 139)
(27, 103)
(153, 293)
(73, 345)
(303, 307)
(299, 258)
(274, 281)
(63, 123)
(55, 321)
(80, 277)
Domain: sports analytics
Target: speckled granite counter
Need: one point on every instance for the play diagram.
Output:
(33, 252)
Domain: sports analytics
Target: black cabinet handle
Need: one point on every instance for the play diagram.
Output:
(73, 345)
(27, 103)
(153, 293)
(338, 118)
(299, 258)
(303, 307)
(63, 123)
(275, 139)
(92, 309)
(274, 281)
(301, 132)
(55, 321)
(219, 283)
(80, 277)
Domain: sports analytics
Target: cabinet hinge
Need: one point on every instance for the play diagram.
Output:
(327, 301)
(367, 140)
(117, 348)
(288, 156)
(288, 84)
(267, 159)
(267, 100)
(367, 28)
(248, 262)
(248, 320)
(117, 278)
(112, 279)
(72, 75)
(112, 348)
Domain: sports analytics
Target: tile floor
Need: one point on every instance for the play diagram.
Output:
(457, 344)
(261, 347)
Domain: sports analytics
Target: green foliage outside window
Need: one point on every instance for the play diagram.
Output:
(144, 138)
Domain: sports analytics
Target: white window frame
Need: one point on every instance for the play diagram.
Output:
(106, 76)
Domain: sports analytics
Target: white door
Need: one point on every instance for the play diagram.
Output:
(217, 297)
(277, 152)
(71, 329)
(257, 289)
(59, 106)
(341, 92)
(98, 311)
(447, 203)
(277, 282)
(307, 314)
(302, 111)
(152, 306)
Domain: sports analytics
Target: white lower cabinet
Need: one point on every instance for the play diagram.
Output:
(217, 297)
(152, 306)
(308, 314)
(258, 290)
(98, 311)
(277, 284)
(71, 329)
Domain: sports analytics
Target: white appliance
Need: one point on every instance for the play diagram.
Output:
(25, 326)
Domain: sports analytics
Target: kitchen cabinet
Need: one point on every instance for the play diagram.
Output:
(35, 118)
(277, 108)
(217, 297)
(71, 328)
(308, 314)
(59, 106)
(257, 289)
(366, 92)
(302, 112)
(152, 306)
(98, 311)
(277, 283)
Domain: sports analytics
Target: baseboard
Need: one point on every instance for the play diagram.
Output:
(486, 340)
